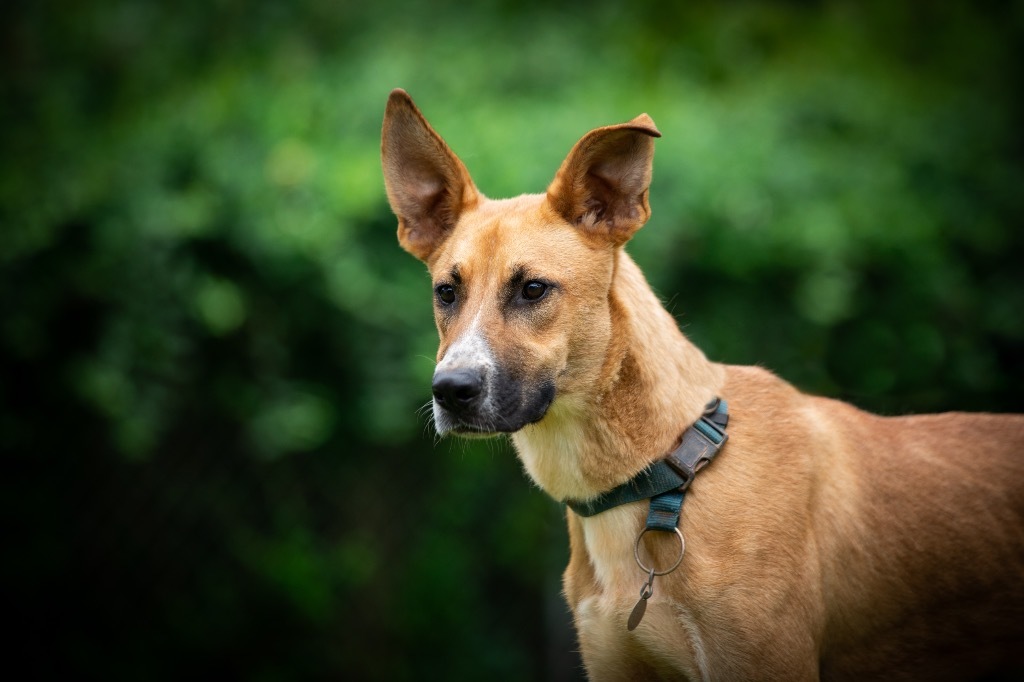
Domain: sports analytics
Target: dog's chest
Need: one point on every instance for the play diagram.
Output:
(665, 645)
(666, 639)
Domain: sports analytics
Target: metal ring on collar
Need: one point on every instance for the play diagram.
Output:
(636, 553)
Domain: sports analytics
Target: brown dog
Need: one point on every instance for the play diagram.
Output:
(824, 542)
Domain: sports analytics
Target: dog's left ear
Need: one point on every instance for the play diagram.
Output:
(602, 184)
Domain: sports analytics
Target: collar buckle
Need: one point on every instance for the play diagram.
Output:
(698, 447)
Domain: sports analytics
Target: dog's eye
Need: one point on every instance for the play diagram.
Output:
(534, 291)
(445, 294)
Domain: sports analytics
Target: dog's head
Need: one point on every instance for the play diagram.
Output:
(521, 286)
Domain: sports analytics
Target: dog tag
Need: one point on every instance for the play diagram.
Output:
(637, 615)
(640, 609)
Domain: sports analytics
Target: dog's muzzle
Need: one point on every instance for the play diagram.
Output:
(475, 401)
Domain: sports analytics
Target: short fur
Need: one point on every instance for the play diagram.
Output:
(823, 543)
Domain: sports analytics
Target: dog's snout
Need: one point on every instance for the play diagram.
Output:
(458, 390)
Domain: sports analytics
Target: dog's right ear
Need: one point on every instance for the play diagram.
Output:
(428, 187)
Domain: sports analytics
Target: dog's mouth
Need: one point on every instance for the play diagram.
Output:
(466, 429)
(472, 431)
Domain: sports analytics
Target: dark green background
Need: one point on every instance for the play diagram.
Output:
(213, 351)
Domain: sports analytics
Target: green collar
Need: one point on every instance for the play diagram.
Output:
(665, 482)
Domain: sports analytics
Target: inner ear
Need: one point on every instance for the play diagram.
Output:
(603, 182)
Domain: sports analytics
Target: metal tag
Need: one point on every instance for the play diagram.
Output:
(637, 615)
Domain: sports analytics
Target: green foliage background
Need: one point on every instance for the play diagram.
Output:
(212, 350)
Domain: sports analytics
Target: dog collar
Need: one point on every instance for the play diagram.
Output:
(666, 481)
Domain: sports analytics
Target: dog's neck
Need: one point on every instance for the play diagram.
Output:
(653, 385)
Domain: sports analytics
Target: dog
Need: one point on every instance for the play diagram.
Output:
(823, 542)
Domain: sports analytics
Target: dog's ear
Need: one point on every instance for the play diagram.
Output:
(427, 185)
(602, 184)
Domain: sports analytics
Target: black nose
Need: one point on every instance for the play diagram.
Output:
(458, 390)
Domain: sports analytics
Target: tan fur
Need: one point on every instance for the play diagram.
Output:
(823, 543)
